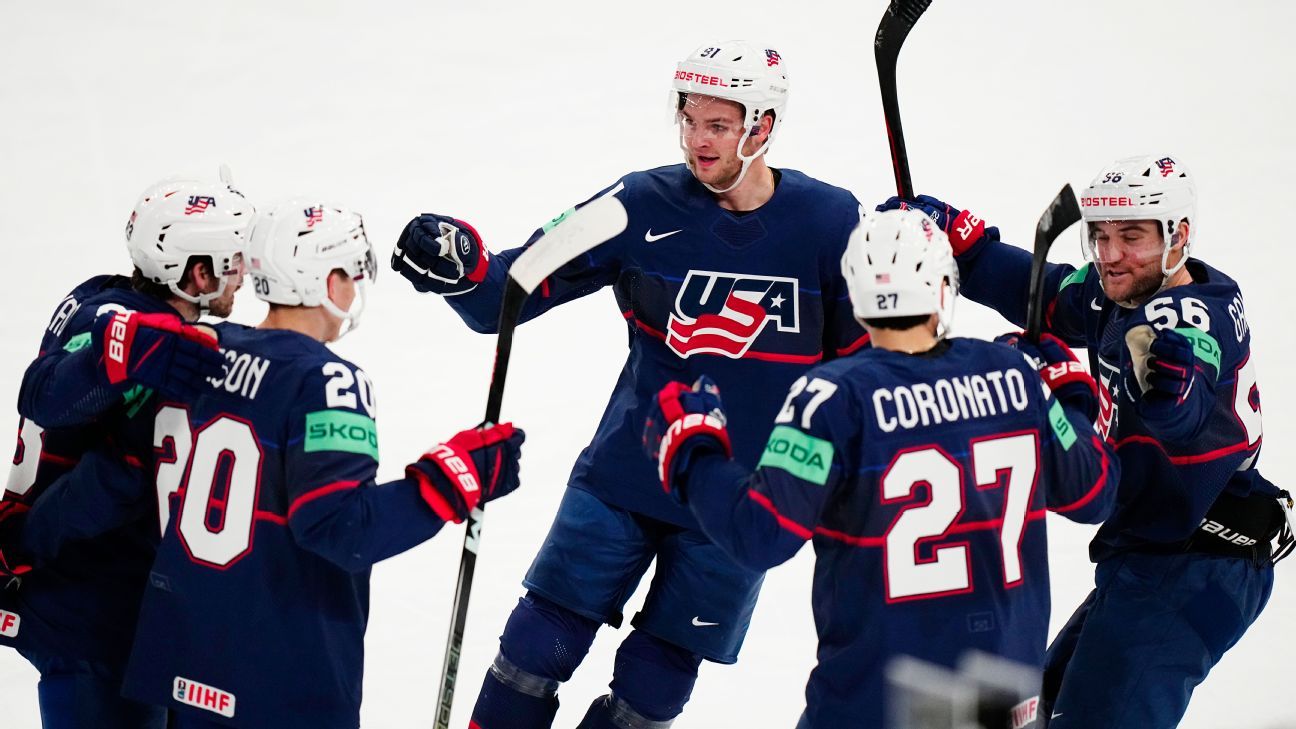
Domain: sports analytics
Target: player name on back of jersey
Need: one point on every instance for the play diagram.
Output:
(951, 399)
(242, 375)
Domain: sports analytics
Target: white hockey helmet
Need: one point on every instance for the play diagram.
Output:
(179, 218)
(750, 74)
(1148, 187)
(896, 264)
(298, 244)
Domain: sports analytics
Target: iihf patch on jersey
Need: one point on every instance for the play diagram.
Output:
(204, 697)
(9, 624)
(723, 313)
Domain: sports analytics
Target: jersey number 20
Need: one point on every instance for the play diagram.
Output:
(225, 448)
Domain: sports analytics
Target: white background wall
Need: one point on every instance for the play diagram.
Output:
(507, 113)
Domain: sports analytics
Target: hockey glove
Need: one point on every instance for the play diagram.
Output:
(475, 466)
(963, 228)
(1171, 397)
(440, 254)
(684, 423)
(1171, 365)
(1058, 366)
(159, 351)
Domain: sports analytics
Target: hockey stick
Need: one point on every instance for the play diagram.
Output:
(899, 19)
(1060, 215)
(584, 229)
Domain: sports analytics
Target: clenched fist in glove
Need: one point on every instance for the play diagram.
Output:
(440, 254)
(1058, 366)
(684, 423)
(159, 351)
(963, 228)
(475, 466)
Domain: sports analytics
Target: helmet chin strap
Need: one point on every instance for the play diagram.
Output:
(746, 160)
(203, 301)
(351, 317)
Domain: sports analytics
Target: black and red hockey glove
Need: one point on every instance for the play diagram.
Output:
(475, 466)
(158, 351)
(684, 423)
(963, 228)
(1058, 366)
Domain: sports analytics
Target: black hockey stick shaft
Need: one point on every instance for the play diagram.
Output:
(1061, 214)
(510, 310)
(897, 21)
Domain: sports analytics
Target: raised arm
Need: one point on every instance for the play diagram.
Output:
(1082, 469)
(336, 509)
(997, 274)
(112, 355)
(444, 255)
(760, 519)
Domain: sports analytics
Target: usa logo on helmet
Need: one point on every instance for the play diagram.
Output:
(723, 313)
(1166, 165)
(313, 215)
(199, 204)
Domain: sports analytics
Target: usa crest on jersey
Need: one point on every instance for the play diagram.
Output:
(723, 313)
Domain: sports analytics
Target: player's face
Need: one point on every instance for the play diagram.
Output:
(710, 129)
(223, 305)
(1128, 256)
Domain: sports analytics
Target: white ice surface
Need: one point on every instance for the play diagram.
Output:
(506, 113)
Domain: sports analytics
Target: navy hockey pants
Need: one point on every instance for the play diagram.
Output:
(1147, 635)
(75, 694)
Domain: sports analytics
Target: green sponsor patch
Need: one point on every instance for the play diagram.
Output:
(1066, 435)
(77, 343)
(338, 430)
(1205, 346)
(135, 398)
(801, 455)
(554, 223)
(1077, 276)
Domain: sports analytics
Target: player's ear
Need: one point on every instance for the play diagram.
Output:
(200, 276)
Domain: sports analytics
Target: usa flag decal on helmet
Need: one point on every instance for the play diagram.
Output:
(723, 313)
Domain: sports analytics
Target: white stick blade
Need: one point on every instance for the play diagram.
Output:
(597, 222)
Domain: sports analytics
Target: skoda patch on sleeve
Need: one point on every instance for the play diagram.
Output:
(1066, 435)
(801, 455)
(338, 430)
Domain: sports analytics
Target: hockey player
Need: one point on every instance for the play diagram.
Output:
(921, 468)
(256, 607)
(728, 267)
(1183, 564)
(113, 346)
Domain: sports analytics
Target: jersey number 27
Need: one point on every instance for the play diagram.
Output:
(949, 570)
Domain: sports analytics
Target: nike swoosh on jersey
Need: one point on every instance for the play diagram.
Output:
(1093, 304)
(701, 623)
(654, 238)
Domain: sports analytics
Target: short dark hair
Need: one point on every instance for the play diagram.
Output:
(145, 285)
(898, 322)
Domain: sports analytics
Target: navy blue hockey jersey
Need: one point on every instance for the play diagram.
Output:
(750, 299)
(1173, 472)
(82, 604)
(923, 481)
(257, 603)
(263, 494)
